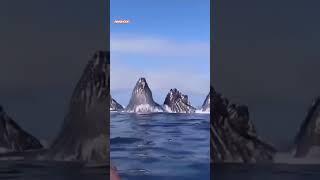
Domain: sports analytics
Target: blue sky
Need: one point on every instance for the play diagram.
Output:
(167, 42)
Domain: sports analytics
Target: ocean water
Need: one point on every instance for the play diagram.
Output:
(41, 170)
(265, 172)
(160, 146)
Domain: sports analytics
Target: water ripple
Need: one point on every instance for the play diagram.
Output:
(161, 146)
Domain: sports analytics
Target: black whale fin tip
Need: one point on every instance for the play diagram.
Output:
(142, 79)
(173, 91)
(100, 53)
(102, 56)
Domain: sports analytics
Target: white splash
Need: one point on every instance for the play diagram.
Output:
(146, 108)
(199, 111)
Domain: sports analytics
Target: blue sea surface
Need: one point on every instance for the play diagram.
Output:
(160, 146)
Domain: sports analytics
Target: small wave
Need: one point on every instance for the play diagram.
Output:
(202, 112)
(124, 140)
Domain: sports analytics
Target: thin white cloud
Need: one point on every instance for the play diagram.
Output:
(147, 45)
